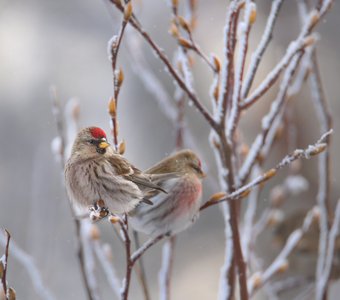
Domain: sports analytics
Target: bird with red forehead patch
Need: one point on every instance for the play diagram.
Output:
(95, 171)
(179, 208)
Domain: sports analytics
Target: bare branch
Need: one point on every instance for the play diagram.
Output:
(139, 252)
(162, 56)
(244, 191)
(4, 263)
(281, 259)
(165, 272)
(28, 263)
(256, 57)
(321, 285)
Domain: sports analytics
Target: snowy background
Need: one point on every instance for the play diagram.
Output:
(64, 43)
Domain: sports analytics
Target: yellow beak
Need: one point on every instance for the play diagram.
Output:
(103, 145)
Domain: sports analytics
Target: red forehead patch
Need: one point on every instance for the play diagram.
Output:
(97, 133)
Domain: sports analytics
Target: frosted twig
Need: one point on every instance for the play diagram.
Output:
(293, 49)
(162, 56)
(109, 270)
(28, 263)
(301, 42)
(281, 259)
(275, 109)
(124, 291)
(113, 49)
(227, 280)
(164, 276)
(139, 252)
(261, 48)
(321, 284)
(89, 255)
(245, 27)
(227, 75)
(244, 191)
(249, 217)
(4, 263)
(325, 121)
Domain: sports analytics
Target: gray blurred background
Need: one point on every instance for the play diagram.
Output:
(45, 42)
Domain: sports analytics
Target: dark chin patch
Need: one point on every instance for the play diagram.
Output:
(101, 150)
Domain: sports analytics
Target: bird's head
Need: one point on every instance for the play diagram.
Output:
(91, 140)
(188, 161)
(184, 161)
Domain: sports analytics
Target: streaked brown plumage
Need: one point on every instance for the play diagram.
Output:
(95, 171)
(176, 210)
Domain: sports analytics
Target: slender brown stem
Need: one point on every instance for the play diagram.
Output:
(3, 279)
(242, 192)
(126, 282)
(81, 257)
(234, 224)
(160, 53)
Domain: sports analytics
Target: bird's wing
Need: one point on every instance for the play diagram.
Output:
(144, 181)
(120, 165)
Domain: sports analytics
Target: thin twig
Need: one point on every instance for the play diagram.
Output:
(5, 263)
(267, 122)
(245, 27)
(281, 259)
(28, 263)
(139, 252)
(113, 49)
(244, 191)
(321, 285)
(126, 281)
(140, 269)
(162, 56)
(166, 269)
(106, 264)
(256, 57)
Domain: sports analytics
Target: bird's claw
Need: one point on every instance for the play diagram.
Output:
(98, 211)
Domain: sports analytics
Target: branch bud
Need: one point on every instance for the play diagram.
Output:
(217, 196)
(121, 148)
(252, 16)
(113, 219)
(119, 77)
(94, 232)
(244, 150)
(127, 11)
(173, 30)
(184, 24)
(112, 108)
(174, 3)
(11, 294)
(317, 149)
(269, 174)
(314, 17)
(256, 280)
(216, 92)
(245, 193)
(2, 268)
(216, 62)
(309, 40)
(185, 43)
(283, 267)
